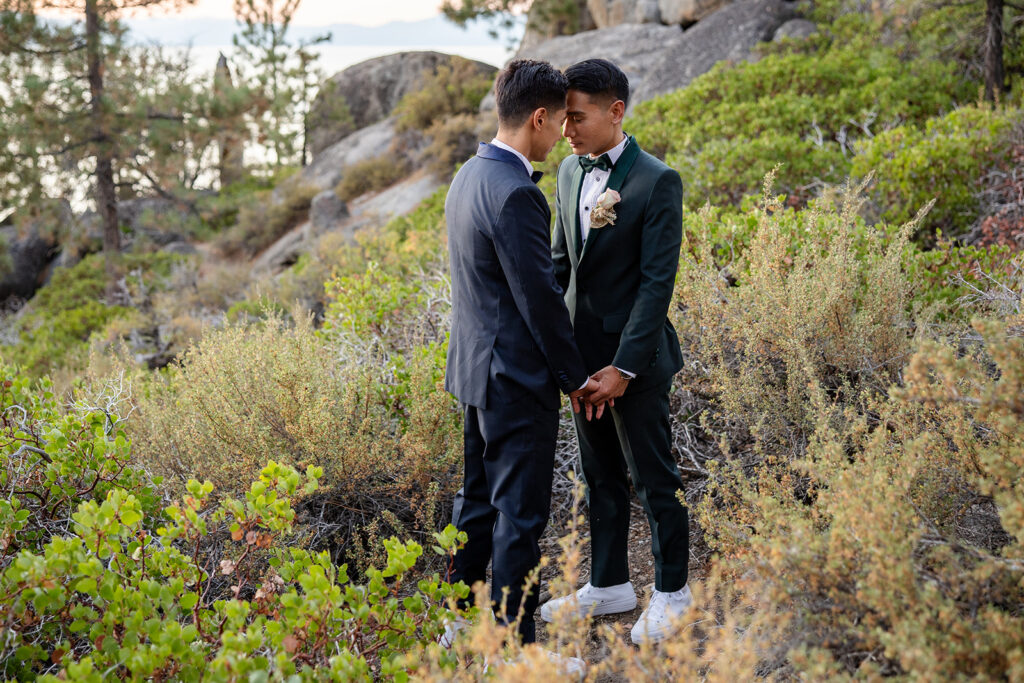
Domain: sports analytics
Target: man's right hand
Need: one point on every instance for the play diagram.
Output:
(581, 399)
(579, 396)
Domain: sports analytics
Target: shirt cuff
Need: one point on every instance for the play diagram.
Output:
(584, 386)
(632, 375)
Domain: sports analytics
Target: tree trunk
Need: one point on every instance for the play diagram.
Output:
(994, 77)
(106, 196)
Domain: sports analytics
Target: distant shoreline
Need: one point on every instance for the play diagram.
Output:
(335, 58)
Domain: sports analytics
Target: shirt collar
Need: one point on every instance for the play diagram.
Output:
(615, 152)
(526, 162)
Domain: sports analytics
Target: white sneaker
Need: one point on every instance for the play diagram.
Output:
(593, 601)
(656, 622)
(569, 666)
(451, 631)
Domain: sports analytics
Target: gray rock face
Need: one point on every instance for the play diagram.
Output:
(730, 34)
(155, 218)
(370, 90)
(364, 212)
(26, 260)
(608, 13)
(330, 164)
(326, 211)
(796, 29)
(659, 59)
(688, 11)
(633, 47)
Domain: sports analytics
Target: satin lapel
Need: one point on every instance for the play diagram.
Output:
(615, 181)
(574, 208)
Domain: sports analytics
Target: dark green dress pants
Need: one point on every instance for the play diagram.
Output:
(634, 439)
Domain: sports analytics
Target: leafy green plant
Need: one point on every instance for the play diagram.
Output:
(61, 318)
(734, 124)
(112, 598)
(944, 160)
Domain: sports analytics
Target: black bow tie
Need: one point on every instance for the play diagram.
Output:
(603, 162)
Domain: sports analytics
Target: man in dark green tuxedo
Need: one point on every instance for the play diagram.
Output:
(618, 228)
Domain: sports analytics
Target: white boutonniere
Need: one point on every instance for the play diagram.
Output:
(603, 212)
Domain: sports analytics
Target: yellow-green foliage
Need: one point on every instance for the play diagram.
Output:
(455, 88)
(371, 175)
(867, 489)
(387, 440)
(734, 124)
(267, 216)
(814, 303)
(54, 331)
(945, 160)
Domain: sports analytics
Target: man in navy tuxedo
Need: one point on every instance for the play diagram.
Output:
(512, 346)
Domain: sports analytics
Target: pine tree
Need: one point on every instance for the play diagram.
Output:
(282, 77)
(91, 118)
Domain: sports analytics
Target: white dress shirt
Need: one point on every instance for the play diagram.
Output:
(508, 148)
(594, 183)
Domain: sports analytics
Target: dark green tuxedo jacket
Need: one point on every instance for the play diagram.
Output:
(619, 285)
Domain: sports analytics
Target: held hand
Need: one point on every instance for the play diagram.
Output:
(611, 386)
(578, 397)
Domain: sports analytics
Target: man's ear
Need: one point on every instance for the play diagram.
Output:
(618, 111)
(538, 118)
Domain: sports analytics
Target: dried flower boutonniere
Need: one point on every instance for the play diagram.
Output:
(604, 211)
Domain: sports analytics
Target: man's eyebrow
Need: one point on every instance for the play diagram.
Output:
(574, 112)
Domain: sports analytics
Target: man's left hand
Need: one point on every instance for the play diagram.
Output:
(612, 385)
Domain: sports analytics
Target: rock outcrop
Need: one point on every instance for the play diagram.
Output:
(369, 90)
(634, 47)
(687, 12)
(608, 13)
(24, 259)
(730, 34)
(796, 29)
(658, 59)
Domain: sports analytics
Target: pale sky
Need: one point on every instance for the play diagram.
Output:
(324, 12)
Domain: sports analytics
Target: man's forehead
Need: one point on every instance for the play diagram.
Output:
(578, 100)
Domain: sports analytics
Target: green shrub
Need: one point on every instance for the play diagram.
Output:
(386, 435)
(945, 160)
(266, 217)
(52, 460)
(55, 330)
(371, 175)
(734, 124)
(455, 88)
(112, 599)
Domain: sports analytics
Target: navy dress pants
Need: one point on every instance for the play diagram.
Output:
(505, 499)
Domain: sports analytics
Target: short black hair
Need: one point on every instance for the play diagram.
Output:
(599, 77)
(526, 85)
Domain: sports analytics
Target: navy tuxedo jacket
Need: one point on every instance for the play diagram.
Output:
(511, 336)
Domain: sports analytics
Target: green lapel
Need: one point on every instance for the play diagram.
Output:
(615, 181)
(574, 208)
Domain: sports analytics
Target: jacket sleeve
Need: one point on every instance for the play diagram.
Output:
(659, 261)
(559, 245)
(523, 244)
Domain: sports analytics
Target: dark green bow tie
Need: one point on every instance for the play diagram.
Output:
(603, 162)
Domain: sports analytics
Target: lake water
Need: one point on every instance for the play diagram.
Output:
(334, 58)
